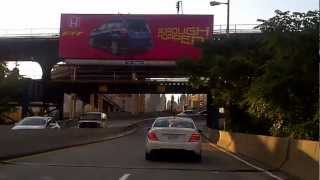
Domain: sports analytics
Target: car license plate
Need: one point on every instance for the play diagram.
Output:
(173, 137)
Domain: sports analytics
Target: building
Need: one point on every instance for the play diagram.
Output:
(197, 102)
(163, 102)
(133, 103)
(152, 103)
(182, 101)
(174, 106)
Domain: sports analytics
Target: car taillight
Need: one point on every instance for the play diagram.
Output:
(152, 136)
(195, 137)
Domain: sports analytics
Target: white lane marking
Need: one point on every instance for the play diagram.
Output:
(247, 163)
(124, 177)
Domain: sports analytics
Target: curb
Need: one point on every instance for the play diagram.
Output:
(129, 129)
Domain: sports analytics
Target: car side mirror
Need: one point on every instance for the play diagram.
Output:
(199, 130)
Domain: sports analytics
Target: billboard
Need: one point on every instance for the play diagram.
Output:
(133, 37)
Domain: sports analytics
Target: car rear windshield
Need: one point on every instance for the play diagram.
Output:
(33, 122)
(176, 123)
(90, 117)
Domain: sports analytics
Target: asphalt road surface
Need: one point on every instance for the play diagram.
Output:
(123, 159)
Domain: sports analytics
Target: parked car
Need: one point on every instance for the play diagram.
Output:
(122, 36)
(93, 120)
(37, 122)
(173, 133)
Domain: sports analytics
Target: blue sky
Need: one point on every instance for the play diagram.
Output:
(46, 13)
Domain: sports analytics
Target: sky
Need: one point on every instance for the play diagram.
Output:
(21, 14)
(46, 13)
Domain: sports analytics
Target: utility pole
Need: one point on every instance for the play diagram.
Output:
(179, 7)
(228, 17)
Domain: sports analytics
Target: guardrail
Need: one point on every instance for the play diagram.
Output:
(34, 32)
(54, 32)
(236, 28)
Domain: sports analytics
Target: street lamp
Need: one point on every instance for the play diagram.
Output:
(216, 3)
(179, 6)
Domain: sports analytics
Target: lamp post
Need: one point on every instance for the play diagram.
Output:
(179, 7)
(216, 3)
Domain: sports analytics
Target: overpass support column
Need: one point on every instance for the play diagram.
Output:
(73, 106)
(100, 102)
(25, 104)
(60, 103)
(92, 104)
(213, 112)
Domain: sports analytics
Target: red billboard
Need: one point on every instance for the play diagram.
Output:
(133, 37)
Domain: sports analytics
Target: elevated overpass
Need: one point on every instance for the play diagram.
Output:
(43, 47)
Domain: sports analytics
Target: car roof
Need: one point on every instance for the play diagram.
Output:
(175, 118)
(42, 117)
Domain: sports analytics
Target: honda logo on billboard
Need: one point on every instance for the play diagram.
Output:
(74, 22)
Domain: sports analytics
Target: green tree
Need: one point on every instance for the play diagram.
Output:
(11, 87)
(268, 83)
(287, 92)
(227, 68)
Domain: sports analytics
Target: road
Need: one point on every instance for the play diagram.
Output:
(122, 159)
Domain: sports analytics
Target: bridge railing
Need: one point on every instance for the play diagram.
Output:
(235, 28)
(22, 32)
(54, 32)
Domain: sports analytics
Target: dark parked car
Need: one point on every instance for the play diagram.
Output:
(122, 36)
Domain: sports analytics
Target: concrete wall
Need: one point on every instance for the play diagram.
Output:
(303, 159)
(297, 158)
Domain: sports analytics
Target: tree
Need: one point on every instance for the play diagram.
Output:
(227, 68)
(267, 83)
(287, 92)
(11, 87)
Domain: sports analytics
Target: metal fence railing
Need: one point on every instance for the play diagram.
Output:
(54, 32)
(22, 32)
(235, 28)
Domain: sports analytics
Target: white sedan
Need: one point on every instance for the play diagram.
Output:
(173, 133)
(36, 122)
